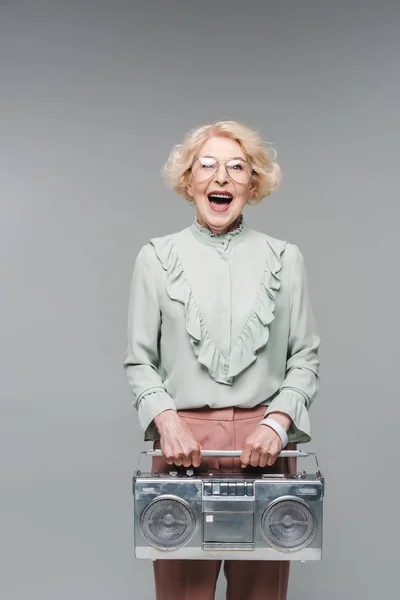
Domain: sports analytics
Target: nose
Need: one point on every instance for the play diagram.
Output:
(221, 175)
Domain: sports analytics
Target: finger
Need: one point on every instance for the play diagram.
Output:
(196, 458)
(169, 459)
(245, 457)
(191, 457)
(255, 458)
(167, 452)
(178, 461)
(271, 459)
(264, 459)
(187, 461)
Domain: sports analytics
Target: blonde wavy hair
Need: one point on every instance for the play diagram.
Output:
(266, 172)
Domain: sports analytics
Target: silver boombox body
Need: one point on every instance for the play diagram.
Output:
(236, 516)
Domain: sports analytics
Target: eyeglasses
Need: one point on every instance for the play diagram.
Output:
(237, 169)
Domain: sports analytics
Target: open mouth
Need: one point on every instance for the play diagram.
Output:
(220, 198)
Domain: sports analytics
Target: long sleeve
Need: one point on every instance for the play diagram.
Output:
(142, 358)
(301, 383)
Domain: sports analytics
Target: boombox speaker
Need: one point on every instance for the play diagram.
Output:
(237, 516)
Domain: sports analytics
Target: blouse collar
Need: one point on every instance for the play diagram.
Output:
(219, 239)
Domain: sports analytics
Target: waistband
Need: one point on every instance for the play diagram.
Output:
(232, 413)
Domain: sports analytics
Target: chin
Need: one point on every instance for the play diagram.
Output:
(220, 222)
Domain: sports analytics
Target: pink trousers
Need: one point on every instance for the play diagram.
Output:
(223, 429)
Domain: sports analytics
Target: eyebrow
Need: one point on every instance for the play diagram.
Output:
(232, 158)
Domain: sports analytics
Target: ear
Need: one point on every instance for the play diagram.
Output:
(189, 189)
(251, 192)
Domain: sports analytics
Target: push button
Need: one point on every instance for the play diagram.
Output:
(216, 490)
(207, 489)
(224, 489)
(240, 488)
(249, 489)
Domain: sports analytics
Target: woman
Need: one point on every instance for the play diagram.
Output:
(222, 347)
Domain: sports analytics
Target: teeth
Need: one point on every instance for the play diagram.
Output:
(225, 196)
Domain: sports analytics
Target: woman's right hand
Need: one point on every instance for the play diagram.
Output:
(178, 443)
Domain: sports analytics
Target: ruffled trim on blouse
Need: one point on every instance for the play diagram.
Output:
(203, 231)
(255, 333)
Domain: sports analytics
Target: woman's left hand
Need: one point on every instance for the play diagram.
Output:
(264, 445)
(261, 448)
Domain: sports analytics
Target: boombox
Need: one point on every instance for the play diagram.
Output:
(237, 516)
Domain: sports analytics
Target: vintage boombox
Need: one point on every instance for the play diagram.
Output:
(237, 516)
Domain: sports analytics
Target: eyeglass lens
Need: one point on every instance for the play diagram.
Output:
(205, 168)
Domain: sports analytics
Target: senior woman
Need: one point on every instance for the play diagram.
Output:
(222, 345)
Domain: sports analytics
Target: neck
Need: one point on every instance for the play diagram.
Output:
(228, 229)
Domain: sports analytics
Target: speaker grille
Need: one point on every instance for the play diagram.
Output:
(167, 523)
(288, 524)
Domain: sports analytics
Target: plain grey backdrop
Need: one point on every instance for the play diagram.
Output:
(93, 96)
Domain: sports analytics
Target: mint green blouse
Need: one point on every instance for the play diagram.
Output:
(221, 320)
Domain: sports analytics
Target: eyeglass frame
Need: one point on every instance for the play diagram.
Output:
(219, 162)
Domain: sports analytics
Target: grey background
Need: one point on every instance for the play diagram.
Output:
(93, 96)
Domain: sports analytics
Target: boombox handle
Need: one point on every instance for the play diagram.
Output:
(232, 453)
(236, 454)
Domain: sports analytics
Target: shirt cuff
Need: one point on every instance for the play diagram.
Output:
(151, 404)
(293, 404)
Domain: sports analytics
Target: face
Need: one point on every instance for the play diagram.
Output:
(219, 214)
